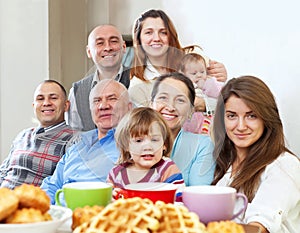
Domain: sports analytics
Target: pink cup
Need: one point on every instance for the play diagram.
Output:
(213, 203)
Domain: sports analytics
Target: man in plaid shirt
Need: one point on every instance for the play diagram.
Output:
(36, 151)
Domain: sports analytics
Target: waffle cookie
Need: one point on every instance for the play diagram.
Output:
(84, 214)
(132, 215)
(224, 227)
(178, 219)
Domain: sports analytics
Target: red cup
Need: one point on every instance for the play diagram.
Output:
(154, 191)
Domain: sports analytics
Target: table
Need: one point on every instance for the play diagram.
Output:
(66, 228)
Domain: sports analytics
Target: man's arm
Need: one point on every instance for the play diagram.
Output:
(4, 170)
(55, 182)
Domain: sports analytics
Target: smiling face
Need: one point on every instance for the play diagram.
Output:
(147, 150)
(49, 104)
(172, 102)
(154, 38)
(106, 47)
(109, 102)
(243, 126)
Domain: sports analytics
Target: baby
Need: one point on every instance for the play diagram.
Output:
(194, 66)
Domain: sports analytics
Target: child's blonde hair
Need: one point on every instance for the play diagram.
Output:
(137, 123)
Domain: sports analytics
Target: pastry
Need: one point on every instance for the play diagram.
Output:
(178, 219)
(8, 202)
(225, 227)
(31, 196)
(27, 215)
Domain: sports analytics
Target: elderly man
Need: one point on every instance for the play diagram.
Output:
(105, 48)
(36, 151)
(96, 153)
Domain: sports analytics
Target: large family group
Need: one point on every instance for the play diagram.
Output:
(172, 116)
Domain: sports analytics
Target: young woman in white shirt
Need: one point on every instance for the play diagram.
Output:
(252, 157)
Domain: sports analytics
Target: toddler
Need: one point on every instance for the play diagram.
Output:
(145, 143)
(194, 65)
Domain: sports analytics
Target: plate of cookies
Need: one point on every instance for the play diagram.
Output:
(142, 215)
(27, 209)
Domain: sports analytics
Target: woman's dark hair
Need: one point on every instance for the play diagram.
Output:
(175, 50)
(179, 77)
(258, 97)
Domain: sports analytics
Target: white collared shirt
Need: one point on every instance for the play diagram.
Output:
(139, 90)
(276, 204)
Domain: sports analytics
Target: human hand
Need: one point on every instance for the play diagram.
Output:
(217, 70)
(116, 193)
(262, 228)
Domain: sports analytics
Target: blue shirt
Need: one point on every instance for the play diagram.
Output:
(90, 159)
(193, 154)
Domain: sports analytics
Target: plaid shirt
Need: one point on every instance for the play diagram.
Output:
(34, 155)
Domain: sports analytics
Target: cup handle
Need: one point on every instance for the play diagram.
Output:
(57, 199)
(245, 203)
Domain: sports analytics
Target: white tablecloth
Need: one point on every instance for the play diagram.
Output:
(65, 227)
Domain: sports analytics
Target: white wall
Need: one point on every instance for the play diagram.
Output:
(39, 39)
(123, 13)
(23, 63)
(260, 38)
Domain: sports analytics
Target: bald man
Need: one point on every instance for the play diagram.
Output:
(106, 49)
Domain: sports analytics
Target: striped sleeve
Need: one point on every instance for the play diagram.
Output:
(171, 174)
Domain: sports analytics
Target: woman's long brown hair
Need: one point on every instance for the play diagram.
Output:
(258, 97)
(175, 51)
